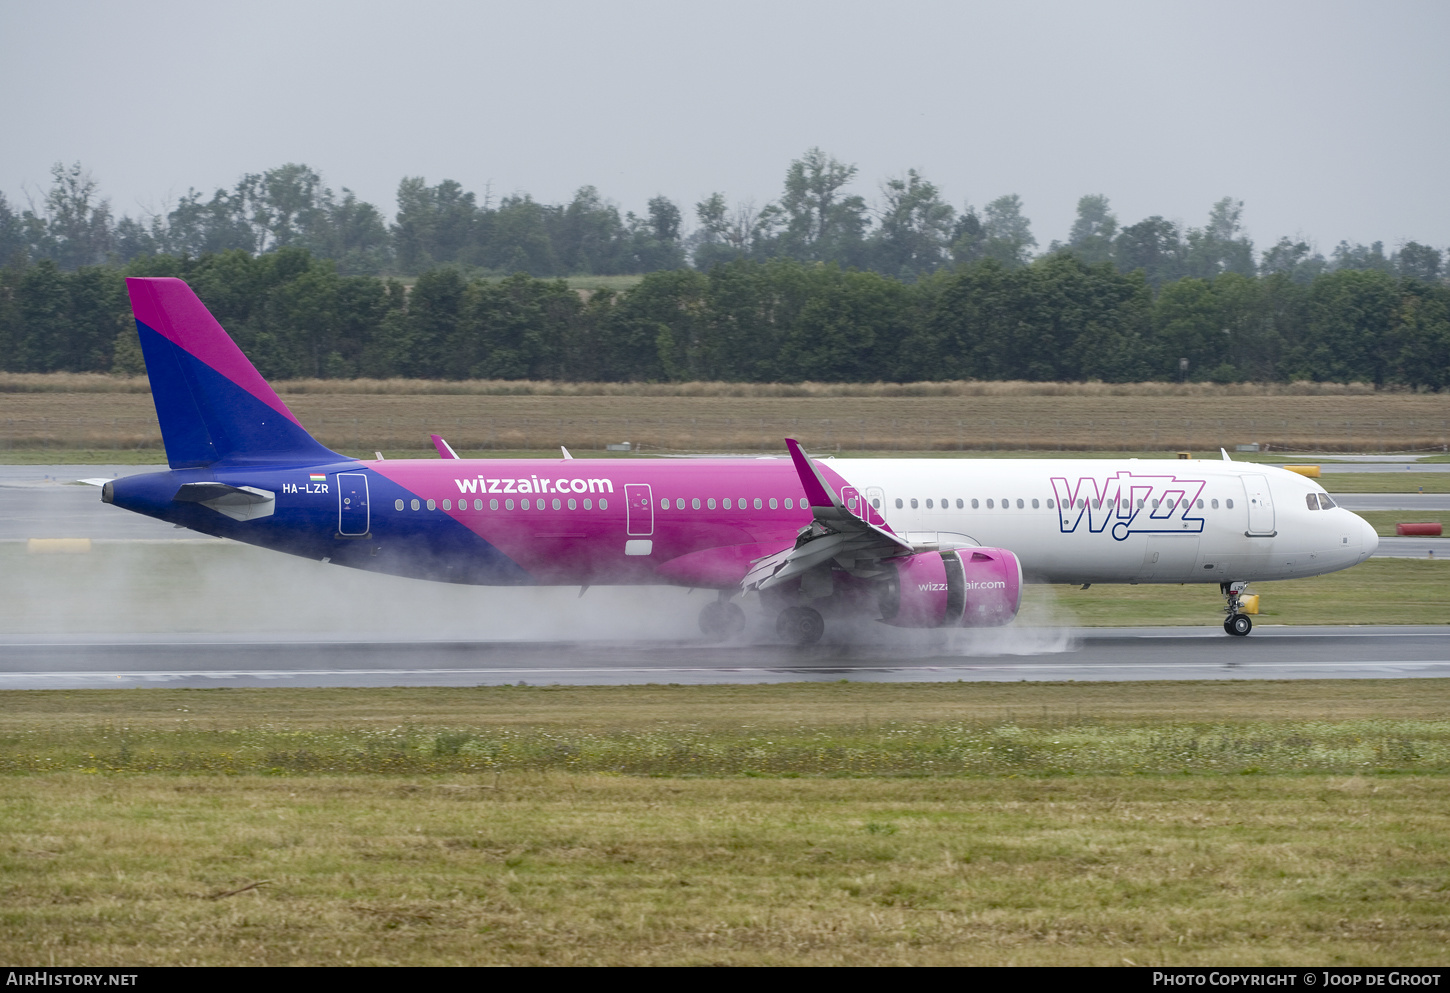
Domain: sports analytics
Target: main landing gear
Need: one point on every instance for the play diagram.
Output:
(1236, 623)
(800, 625)
(722, 619)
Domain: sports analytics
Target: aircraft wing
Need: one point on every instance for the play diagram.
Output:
(834, 534)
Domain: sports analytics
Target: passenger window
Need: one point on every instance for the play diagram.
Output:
(588, 504)
(1081, 503)
(679, 503)
(1097, 504)
(695, 504)
(573, 504)
(913, 503)
(898, 503)
(432, 504)
(1200, 503)
(774, 504)
(1155, 504)
(664, 503)
(1214, 503)
(928, 503)
(974, 503)
(1123, 503)
(790, 504)
(960, 505)
(478, 505)
(1020, 504)
(1034, 503)
(524, 503)
(990, 504)
(1004, 504)
(603, 504)
(727, 503)
(414, 504)
(493, 505)
(1049, 503)
(397, 505)
(877, 503)
(508, 505)
(448, 504)
(758, 504)
(1229, 504)
(1311, 501)
(1140, 503)
(710, 503)
(557, 504)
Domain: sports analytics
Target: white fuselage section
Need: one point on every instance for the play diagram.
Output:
(1118, 521)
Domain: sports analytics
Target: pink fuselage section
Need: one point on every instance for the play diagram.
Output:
(689, 522)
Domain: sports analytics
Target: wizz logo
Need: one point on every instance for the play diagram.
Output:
(1126, 503)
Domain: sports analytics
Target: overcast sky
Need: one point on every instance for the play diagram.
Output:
(1328, 119)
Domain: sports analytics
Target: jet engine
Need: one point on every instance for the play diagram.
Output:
(965, 587)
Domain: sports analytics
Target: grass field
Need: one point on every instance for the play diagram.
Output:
(1226, 823)
(1034, 418)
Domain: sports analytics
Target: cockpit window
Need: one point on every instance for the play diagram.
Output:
(1312, 501)
(1325, 502)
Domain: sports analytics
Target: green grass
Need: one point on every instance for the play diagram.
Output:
(1237, 823)
(1386, 482)
(1380, 591)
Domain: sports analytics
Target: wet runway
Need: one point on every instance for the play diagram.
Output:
(1114, 654)
(400, 632)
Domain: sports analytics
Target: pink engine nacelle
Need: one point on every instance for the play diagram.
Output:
(966, 587)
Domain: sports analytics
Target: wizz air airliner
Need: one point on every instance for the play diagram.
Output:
(912, 542)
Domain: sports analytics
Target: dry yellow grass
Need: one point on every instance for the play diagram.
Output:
(989, 416)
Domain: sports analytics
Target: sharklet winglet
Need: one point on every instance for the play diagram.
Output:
(445, 450)
(818, 491)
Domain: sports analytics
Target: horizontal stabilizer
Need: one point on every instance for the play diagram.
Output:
(240, 503)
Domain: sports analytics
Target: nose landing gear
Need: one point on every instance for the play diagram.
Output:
(1236, 623)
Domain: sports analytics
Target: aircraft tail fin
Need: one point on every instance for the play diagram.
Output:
(212, 403)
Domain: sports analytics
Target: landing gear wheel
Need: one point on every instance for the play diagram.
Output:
(800, 625)
(1238, 624)
(721, 620)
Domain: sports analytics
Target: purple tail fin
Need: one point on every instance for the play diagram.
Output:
(213, 405)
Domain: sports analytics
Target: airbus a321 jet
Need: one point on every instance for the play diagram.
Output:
(912, 542)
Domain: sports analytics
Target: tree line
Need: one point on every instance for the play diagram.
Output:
(908, 232)
(779, 319)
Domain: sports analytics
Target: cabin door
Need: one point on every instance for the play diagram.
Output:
(1260, 504)
(639, 510)
(352, 504)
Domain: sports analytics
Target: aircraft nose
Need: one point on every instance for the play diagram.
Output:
(1369, 540)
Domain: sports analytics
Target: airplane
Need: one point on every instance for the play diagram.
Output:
(909, 542)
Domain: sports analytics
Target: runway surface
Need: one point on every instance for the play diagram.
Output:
(1115, 654)
(405, 633)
